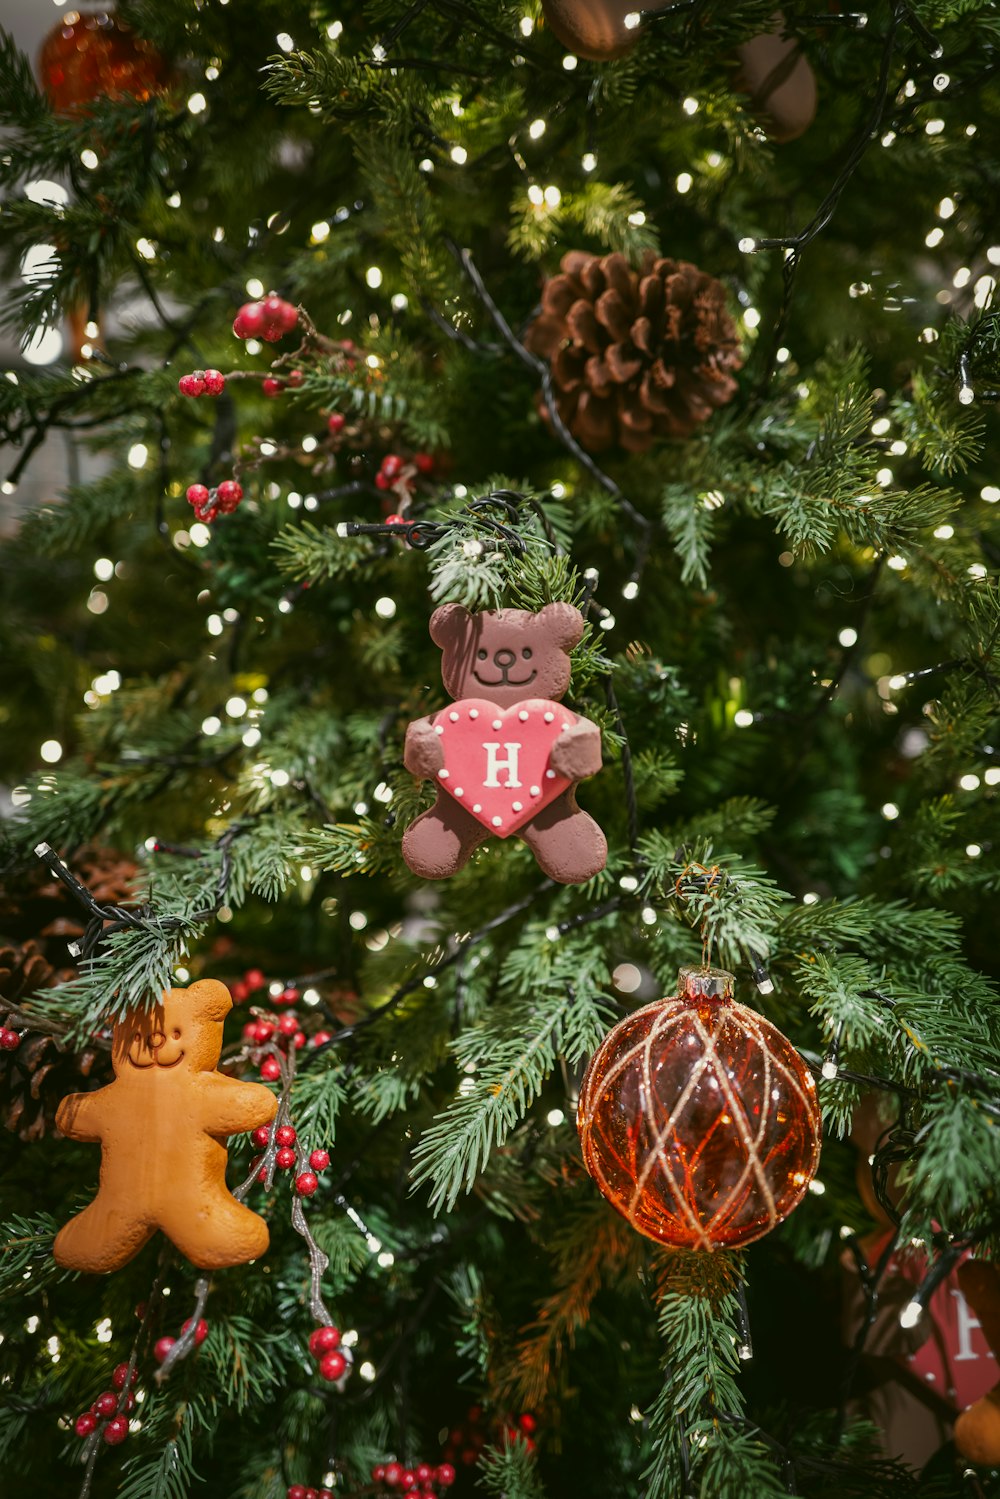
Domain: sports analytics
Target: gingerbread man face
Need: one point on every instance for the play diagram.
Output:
(161, 1126)
(184, 1031)
(506, 655)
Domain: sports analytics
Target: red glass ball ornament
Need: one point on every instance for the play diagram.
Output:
(87, 57)
(698, 1119)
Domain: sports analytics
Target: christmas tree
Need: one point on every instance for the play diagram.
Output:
(646, 357)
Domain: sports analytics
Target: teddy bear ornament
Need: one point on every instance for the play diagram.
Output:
(506, 755)
(161, 1126)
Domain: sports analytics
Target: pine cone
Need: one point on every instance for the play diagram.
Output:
(635, 355)
(43, 1070)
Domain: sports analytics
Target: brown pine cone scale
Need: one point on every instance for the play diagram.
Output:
(635, 355)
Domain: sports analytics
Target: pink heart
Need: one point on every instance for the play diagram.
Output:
(496, 760)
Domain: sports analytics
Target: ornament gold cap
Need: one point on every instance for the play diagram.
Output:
(705, 983)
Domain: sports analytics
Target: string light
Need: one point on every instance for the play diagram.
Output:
(890, 811)
(684, 182)
(373, 276)
(536, 129)
(51, 751)
(197, 104)
(459, 156)
(743, 718)
(588, 161)
(569, 62)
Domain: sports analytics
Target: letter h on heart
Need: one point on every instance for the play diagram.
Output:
(494, 764)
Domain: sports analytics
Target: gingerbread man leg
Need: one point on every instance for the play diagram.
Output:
(441, 839)
(102, 1238)
(215, 1231)
(567, 843)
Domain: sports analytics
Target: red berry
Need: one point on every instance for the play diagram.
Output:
(191, 385)
(254, 979)
(311, 1494)
(469, 1455)
(285, 1135)
(421, 461)
(407, 1479)
(270, 1069)
(319, 1160)
(335, 421)
(9, 1040)
(326, 1494)
(129, 1402)
(264, 1030)
(200, 1332)
(239, 991)
(321, 1038)
(162, 1348)
(289, 996)
(332, 1365)
(378, 1472)
(527, 1423)
(262, 1134)
(229, 494)
(250, 1031)
(215, 382)
(382, 481)
(395, 520)
(324, 1340)
(393, 1472)
(413, 1494)
(445, 1474)
(85, 1424)
(299, 1040)
(106, 1404)
(250, 320)
(120, 1376)
(297, 1491)
(424, 1473)
(116, 1430)
(197, 495)
(294, 379)
(288, 1025)
(272, 387)
(285, 1159)
(281, 313)
(306, 1183)
(392, 466)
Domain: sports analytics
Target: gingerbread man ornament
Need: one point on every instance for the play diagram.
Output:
(161, 1125)
(506, 755)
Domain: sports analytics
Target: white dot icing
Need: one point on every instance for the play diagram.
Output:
(497, 822)
(549, 717)
(498, 723)
(536, 790)
(443, 775)
(458, 791)
(453, 717)
(477, 807)
(523, 715)
(550, 775)
(439, 728)
(473, 712)
(517, 806)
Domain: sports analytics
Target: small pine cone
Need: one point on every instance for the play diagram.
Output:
(43, 1070)
(635, 355)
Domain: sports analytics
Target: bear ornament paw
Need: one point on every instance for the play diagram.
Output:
(506, 755)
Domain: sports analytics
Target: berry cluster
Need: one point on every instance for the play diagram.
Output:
(273, 386)
(163, 1345)
(222, 499)
(421, 1481)
(466, 1442)
(287, 1156)
(399, 474)
(202, 383)
(324, 1345)
(299, 1491)
(254, 979)
(270, 319)
(11, 1040)
(105, 1413)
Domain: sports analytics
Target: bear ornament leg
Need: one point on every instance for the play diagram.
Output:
(441, 840)
(566, 842)
(104, 1237)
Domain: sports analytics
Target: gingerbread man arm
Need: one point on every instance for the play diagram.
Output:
(576, 754)
(229, 1107)
(422, 752)
(83, 1116)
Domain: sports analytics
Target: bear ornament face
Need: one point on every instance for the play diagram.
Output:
(505, 756)
(506, 655)
(183, 1031)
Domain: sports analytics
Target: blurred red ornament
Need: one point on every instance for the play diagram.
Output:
(93, 56)
(698, 1118)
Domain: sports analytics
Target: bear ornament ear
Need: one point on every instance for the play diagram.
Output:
(208, 999)
(449, 624)
(563, 624)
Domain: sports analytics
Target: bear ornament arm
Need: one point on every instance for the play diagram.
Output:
(84, 1116)
(576, 754)
(229, 1107)
(422, 752)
